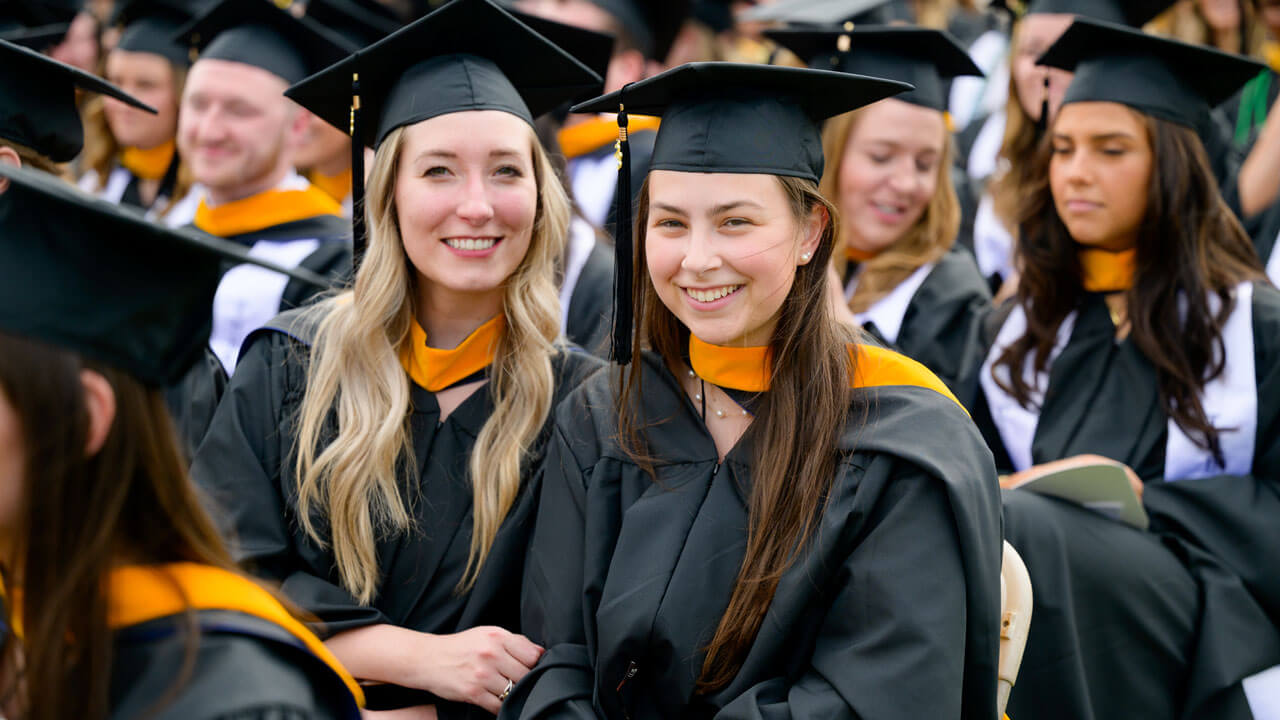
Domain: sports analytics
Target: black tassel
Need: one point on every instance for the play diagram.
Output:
(624, 248)
(358, 240)
(1042, 123)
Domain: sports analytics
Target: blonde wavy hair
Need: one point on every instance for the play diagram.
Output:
(925, 242)
(355, 482)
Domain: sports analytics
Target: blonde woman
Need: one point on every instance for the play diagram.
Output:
(372, 451)
(130, 156)
(890, 177)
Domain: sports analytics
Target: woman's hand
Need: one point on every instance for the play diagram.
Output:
(475, 666)
(1031, 473)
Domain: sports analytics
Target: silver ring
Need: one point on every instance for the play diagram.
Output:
(510, 686)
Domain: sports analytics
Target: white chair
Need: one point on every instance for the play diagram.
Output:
(1015, 622)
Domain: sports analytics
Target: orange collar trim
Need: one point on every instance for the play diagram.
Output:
(1105, 271)
(337, 186)
(593, 134)
(149, 164)
(748, 368)
(264, 210)
(139, 593)
(435, 369)
(858, 254)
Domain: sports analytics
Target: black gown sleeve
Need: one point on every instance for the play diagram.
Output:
(552, 610)
(943, 319)
(893, 622)
(239, 468)
(194, 398)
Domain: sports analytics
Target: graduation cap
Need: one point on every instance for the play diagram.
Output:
(38, 101)
(591, 48)
(925, 58)
(652, 24)
(1128, 12)
(259, 33)
(361, 22)
(37, 38)
(149, 26)
(87, 275)
(726, 118)
(1167, 79)
(831, 12)
(468, 55)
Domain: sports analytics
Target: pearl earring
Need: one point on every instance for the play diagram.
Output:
(804, 257)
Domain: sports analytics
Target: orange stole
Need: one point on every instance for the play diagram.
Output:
(435, 369)
(1107, 272)
(591, 135)
(149, 164)
(264, 210)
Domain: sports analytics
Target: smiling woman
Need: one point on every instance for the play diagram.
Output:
(414, 406)
(740, 523)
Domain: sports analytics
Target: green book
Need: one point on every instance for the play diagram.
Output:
(1102, 487)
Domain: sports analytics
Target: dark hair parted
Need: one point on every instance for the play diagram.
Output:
(81, 515)
(793, 436)
(1189, 246)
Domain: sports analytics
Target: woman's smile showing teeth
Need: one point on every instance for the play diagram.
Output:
(471, 245)
(705, 296)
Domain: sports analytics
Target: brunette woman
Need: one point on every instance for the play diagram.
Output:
(999, 152)
(1142, 332)
(131, 157)
(372, 452)
(123, 601)
(890, 177)
(758, 516)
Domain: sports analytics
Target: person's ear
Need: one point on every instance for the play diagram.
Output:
(811, 235)
(8, 156)
(100, 401)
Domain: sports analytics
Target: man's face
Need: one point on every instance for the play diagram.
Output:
(234, 125)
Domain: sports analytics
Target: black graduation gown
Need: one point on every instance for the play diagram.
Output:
(245, 668)
(891, 613)
(944, 317)
(192, 400)
(246, 466)
(1158, 624)
(590, 317)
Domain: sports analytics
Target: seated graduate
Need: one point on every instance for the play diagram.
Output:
(372, 452)
(240, 136)
(1142, 332)
(890, 177)
(123, 601)
(759, 516)
(131, 156)
(40, 128)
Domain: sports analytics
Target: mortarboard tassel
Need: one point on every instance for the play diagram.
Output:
(358, 240)
(624, 248)
(1042, 123)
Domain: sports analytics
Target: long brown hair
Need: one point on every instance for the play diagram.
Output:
(130, 501)
(794, 434)
(926, 241)
(1189, 245)
(1013, 166)
(32, 159)
(102, 150)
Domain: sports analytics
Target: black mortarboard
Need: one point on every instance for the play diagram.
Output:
(652, 24)
(1127, 12)
(149, 26)
(258, 33)
(37, 38)
(360, 22)
(19, 14)
(831, 12)
(591, 48)
(38, 102)
(727, 118)
(927, 59)
(1167, 79)
(86, 275)
(468, 55)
